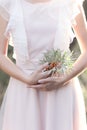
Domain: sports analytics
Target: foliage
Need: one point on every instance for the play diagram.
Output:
(61, 61)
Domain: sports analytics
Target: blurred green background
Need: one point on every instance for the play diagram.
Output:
(4, 78)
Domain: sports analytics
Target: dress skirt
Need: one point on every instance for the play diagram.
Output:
(31, 109)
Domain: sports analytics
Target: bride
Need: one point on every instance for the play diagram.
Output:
(34, 100)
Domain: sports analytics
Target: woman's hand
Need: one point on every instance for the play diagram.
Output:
(38, 74)
(51, 83)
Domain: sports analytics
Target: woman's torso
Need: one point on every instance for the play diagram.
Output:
(45, 27)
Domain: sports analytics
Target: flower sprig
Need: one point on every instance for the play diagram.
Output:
(59, 61)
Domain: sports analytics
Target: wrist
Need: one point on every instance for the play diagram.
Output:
(67, 77)
(26, 78)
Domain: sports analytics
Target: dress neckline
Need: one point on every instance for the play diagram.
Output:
(38, 3)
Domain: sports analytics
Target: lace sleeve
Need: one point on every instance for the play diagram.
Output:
(73, 9)
(7, 8)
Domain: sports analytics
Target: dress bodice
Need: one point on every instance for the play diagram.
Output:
(38, 27)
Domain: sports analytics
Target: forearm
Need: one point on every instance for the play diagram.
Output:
(11, 69)
(80, 30)
(79, 66)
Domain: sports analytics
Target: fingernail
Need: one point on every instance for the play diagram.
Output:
(39, 81)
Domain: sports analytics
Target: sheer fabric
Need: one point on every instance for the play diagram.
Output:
(63, 11)
(9, 9)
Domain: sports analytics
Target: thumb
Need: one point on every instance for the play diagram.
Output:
(42, 67)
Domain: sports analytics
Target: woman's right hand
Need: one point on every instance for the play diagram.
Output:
(38, 74)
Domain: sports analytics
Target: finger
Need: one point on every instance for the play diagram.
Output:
(42, 67)
(37, 86)
(40, 87)
(43, 87)
(47, 80)
(66, 83)
(48, 87)
(46, 74)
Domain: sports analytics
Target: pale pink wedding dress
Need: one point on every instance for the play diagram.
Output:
(34, 29)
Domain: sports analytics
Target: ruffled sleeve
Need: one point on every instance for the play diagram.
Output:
(7, 12)
(67, 9)
(64, 12)
(72, 9)
(5, 9)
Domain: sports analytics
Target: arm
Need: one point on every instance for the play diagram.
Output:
(80, 30)
(5, 63)
(12, 69)
(80, 65)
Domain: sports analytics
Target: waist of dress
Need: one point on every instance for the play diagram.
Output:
(28, 66)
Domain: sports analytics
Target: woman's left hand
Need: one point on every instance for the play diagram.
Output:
(50, 83)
